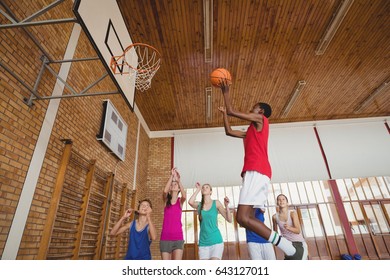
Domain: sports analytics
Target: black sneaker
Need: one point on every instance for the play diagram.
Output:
(298, 254)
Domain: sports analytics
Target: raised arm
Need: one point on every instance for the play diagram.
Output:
(119, 227)
(228, 130)
(253, 117)
(224, 211)
(182, 191)
(192, 201)
(168, 185)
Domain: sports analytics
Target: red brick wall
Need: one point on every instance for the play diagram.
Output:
(159, 166)
(20, 124)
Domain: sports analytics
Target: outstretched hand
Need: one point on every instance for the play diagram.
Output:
(224, 85)
(226, 201)
(177, 174)
(128, 213)
(222, 109)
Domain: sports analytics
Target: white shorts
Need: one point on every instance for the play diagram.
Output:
(261, 251)
(213, 251)
(254, 189)
(305, 251)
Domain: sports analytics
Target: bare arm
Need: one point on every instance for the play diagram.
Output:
(274, 223)
(253, 117)
(152, 228)
(168, 185)
(228, 130)
(296, 226)
(182, 191)
(224, 211)
(119, 227)
(192, 201)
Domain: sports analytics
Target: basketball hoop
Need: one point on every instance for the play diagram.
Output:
(143, 69)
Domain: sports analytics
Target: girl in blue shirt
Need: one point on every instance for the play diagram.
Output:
(142, 231)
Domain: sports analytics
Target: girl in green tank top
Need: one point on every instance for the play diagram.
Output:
(208, 210)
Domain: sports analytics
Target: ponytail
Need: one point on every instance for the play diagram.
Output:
(202, 204)
(200, 208)
(169, 199)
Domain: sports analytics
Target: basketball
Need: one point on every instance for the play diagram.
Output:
(220, 74)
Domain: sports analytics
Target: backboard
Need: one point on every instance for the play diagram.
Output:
(103, 23)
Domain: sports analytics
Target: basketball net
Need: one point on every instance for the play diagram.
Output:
(143, 70)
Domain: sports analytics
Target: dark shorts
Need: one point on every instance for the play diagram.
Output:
(168, 246)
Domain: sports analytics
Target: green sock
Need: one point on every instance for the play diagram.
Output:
(282, 243)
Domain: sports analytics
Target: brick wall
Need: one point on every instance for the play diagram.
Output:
(159, 166)
(77, 119)
(20, 124)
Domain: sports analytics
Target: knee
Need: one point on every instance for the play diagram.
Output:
(242, 219)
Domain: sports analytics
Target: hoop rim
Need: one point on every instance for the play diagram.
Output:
(149, 60)
(141, 44)
(115, 58)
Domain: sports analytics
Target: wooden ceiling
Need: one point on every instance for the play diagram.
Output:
(268, 46)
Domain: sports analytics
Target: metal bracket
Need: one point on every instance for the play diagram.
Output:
(46, 59)
(28, 21)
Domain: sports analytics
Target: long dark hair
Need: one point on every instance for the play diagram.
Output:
(169, 200)
(169, 197)
(202, 204)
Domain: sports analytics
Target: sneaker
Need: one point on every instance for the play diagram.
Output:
(299, 252)
(346, 257)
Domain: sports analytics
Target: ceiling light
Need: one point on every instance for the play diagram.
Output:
(333, 26)
(298, 88)
(209, 101)
(208, 29)
(371, 97)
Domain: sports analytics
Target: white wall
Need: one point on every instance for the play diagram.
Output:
(353, 148)
(210, 158)
(357, 149)
(295, 155)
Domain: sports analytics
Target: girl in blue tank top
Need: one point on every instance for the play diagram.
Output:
(142, 231)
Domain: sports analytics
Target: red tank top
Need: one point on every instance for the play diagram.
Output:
(256, 150)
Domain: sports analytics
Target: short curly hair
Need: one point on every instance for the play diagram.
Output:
(267, 109)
